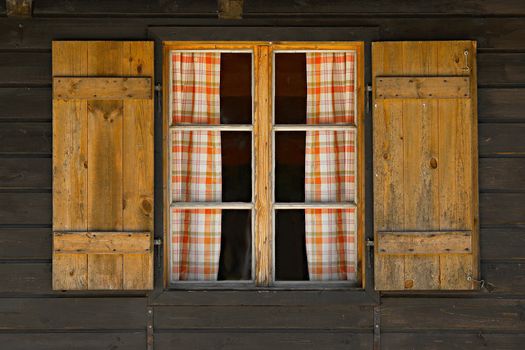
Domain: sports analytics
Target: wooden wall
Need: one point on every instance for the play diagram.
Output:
(33, 316)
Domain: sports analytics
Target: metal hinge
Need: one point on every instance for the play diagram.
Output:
(368, 99)
(158, 87)
(370, 251)
(157, 241)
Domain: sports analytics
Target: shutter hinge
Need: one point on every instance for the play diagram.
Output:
(370, 252)
(158, 87)
(157, 242)
(368, 99)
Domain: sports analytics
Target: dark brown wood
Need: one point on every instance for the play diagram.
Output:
(500, 209)
(72, 313)
(25, 68)
(25, 173)
(79, 341)
(452, 341)
(501, 140)
(14, 106)
(501, 105)
(502, 174)
(25, 209)
(25, 243)
(270, 317)
(501, 68)
(263, 340)
(491, 7)
(505, 278)
(451, 313)
(25, 278)
(503, 243)
(25, 138)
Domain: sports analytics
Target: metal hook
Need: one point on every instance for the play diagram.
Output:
(466, 68)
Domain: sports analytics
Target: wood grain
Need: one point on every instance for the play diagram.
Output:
(422, 87)
(102, 242)
(432, 167)
(114, 88)
(106, 177)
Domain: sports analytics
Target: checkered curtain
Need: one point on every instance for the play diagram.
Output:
(330, 164)
(195, 166)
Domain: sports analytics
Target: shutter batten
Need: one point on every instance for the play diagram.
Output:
(102, 165)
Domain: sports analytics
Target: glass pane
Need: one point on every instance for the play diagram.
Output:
(290, 88)
(210, 245)
(236, 88)
(290, 247)
(315, 245)
(289, 166)
(315, 166)
(210, 166)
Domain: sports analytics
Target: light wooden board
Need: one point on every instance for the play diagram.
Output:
(103, 161)
(113, 88)
(423, 182)
(102, 242)
(424, 242)
(422, 87)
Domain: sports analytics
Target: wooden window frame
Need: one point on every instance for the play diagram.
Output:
(263, 129)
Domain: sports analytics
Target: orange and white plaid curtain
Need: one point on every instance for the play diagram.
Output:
(195, 166)
(330, 166)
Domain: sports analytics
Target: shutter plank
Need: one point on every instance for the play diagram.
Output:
(388, 179)
(105, 271)
(102, 242)
(425, 242)
(105, 165)
(138, 271)
(70, 271)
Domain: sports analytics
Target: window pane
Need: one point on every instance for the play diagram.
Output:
(290, 88)
(315, 166)
(236, 88)
(210, 245)
(211, 166)
(290, 246)
(289, 166)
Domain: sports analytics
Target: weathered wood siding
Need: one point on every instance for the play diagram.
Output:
(32, 315)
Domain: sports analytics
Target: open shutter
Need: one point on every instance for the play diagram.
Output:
(425, 165)
(102, 165)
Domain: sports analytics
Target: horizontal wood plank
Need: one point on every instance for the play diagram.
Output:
(501, 139)
(72, 313)
(25, 173)
(502, 174)
(501, 68)
(25, 243)
(262, 340)
(25, 209)
(424, 242)
(25, 138)
(502, 243)
(501, 209)
(102, 242)
(270, 317)
(422, 87)
(451, 341)
(25, 68)
(133, 340)
(108, 88)
(427, 314)
(501, 104)
(14, 103)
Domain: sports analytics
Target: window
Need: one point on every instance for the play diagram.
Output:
(264, 164)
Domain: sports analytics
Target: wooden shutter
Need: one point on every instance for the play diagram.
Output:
(102, 165)
(425, 165)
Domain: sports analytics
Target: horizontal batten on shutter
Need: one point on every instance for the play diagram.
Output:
(102, 88)
(102, 242)
(424, 242)
(422, 87)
